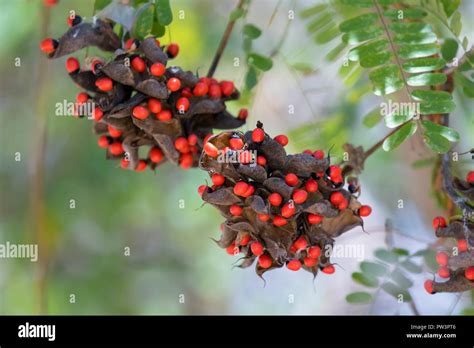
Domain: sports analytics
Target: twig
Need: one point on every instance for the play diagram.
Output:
(223, 43)
(457, 199)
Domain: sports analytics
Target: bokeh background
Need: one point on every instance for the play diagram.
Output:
(159, 216)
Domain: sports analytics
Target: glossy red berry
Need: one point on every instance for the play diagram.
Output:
(114, 133)
(215, 91)
(103, 141)
(328, 269)
(202, 188)
(300, 243)
(365, 210)
(124, 163)
(181, 144)
(311, 185)
(141, 166)
(442, 258)
(172, 50)
(279, 221)
(314, 252)
(182, 104)
(299, 196)
(236, 143)
(261, 160)
(192, 139)
(343, 205)
(288, 210)
(293, 265)
(164, 115)
(291, 179)
(116, 148)
(82, 97)
(157, 69)
(439, 222)
(97, 114)
(232, 249)
(281, 139)
(186, 160)
(140, 112)
(227, 87)
(48, 46)
(443, 272)
(156, 156)
(154, 105)
(73, 20)
(310, 262)
(50, 3)
(263, 217)
(218, 179)
(319, 154)
(236, 210)
(72, 65)
(132, 44)
(243, 114)
(256, 248)
(258, 135)
(469, 273)
(265, 261)
(249, 192)
(138, 64)
(275, 199)
(200, 89)
(211, 150)
(314, 219)
(470, 177)
(429, 286)
(105, 84)
(336, 198)
(173, 84)
(334, 171)
(462, 245)
(240, 188)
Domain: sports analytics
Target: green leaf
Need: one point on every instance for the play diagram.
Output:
(236, 14)
(409, 27)
(359, 297)
(260, 62)
(313, 10)
(436, 142)
(318, 23)
(372, 118)
(400, 251)
(437, 107)
(373, 268)
(467, 311)
(251, 78)
(406, 13)
(425, 162)
(429, 95)
(100, 4)
(304, 68)
(361, 35)
(359, 22)
(367, 49)
(423, 65)
(252, 31)
(327, 35)
(415, 38)
(446, 132)
(394, 120)
(411, 267)
(396, 291)
(449, 49)
(158, 30)
(365, 279)
(399, 136)
(376, 59)
(386, 255)
(450, 6)
(456, 24)
(427, 79)
(163, 12)
(386, 80)
(144, 21)
(417, 51)
(400, 279)
(335, 52)
(430, 259)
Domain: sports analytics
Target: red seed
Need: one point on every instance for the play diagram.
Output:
(154, 105)
(343, 205)
(186, 92)
(439, 222)
(336, 198)
(245, 239)
(299, 196)
(288, 210)
(469, 273)
(314, 219)
(200, 89)
(173, 84)
(181, 144)
(470, 177)
(105, 84)
(138, 64)
(275, 199)
(294, 265)
(335, 171)
(263, 217)
(443, 272)
(218, 179)
(442, 258)
(314, 252)
(124, 163)
(319, 154)
(236, 143)
(186, 160)
(337, 179)
(310, 262)
(308, 152)
(116, 148)
(141, 166)
(103, 141)
(156, 156)
(245, 157)
(291, 179)
(215, 91)
(72, 65)
(365, 210)
(300, 243)
(97, 114)
(256, 248)
(240, 188)
(172, 50)
(258, 135)
(249, 191)
(211, 150)
(243, 114)
(157, 69)
(182, 104)
(164, 115)
(201, 189)
(140, 112)
(232, 249)
(311, 185)
(192, 139)
(328, 269)
(279, 221)
(82, 97)
(131, 44)
(429, 286)
(48, 45)
(50, 3)
(265, 261)
(227, 87)
(281, 139)
(261, 160)
(205, 80)
(462, 245)
(114, 133)
(236, 210)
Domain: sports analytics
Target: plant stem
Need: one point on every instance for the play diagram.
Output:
(223, 43)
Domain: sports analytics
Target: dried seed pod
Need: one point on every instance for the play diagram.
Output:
(279, 217)
(123, 88)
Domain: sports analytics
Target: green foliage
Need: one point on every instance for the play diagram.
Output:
(163, 12)
(100, 4)
(359, 297)
(144, 21)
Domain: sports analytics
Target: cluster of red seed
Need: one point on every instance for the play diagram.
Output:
(292, 211)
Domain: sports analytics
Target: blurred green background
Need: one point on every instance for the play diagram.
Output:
(171, 253)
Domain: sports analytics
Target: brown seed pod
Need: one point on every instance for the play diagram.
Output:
(292, 223)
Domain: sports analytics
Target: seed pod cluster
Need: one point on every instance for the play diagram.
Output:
(138, 101)
(280, 209)
(456, 268)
